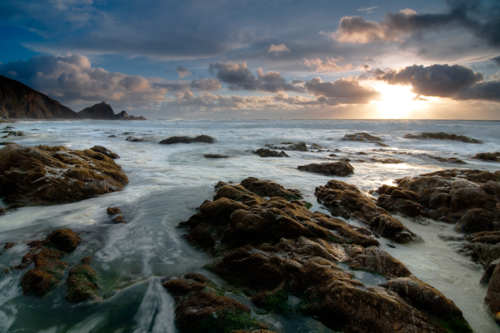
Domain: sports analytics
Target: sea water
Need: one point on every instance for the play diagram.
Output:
(168, 183)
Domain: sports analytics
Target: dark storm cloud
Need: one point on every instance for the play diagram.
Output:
(239, 77)
(483, 22)
(343, 91)
(496, 60)
(183, 72)
(457, 82)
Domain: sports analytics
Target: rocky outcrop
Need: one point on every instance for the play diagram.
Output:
(20, 101)
(185, 139)
(469, 198)
(105, 151)
(12, 133)
(103, 111)
(441, 136)
(272, 249)
(341, 169)
(263, 152)
(201, 307)
(362, 137)
(346, 200)
(489, 157)
(117, 215)
(83, 283)
(49, 269)
(299, 146)
(57, 174)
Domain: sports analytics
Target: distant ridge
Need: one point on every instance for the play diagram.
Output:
(104, 111)
(17, 100)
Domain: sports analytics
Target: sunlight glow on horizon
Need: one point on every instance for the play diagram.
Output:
(397, 101)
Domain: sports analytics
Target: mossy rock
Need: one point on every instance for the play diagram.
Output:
(83, 283)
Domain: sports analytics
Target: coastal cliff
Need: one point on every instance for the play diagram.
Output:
(20, 101)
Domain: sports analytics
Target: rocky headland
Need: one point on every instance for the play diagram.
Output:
(103, 111)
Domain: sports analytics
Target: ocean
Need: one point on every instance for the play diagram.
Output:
(168, 183)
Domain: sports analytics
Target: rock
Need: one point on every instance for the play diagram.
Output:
(492, 298)
(9, 245)
(12, 133)
(275, 248)
(299, 146)
(105, 151)
(441, 136)
(448, 194)
(341, 169)
(104, 111)
(201, 308)
(3, 211)
(363, 137)
(63, 239)
(262, 152)
(346, 200)
(48, 272)
(184, 139)
(387, 160)
(429, 299)
(215, 156)
(113, 211)
(83, 283)
(307, 267)
(135, 139)
(119, 219)
(404, 202)
(7, 143)
(381, 144)
(86, 260)
(226, 223)
(489, 157)
(375, 260)
(56, 174)
(112, 136)
(446, 160)
(270, 189)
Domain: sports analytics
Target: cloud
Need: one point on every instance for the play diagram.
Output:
(481, 21)
(330, 65)
(496, 60)
(209, 84)
(278, 48)
(342, 91)
(183, 72)
(72, 79)
(239, 77)
(368, 10)
(456, 82)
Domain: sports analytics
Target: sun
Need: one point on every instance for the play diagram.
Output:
(397, 101)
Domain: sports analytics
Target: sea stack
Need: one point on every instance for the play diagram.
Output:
(104, 111)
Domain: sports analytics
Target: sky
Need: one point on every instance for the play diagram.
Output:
(280, 59)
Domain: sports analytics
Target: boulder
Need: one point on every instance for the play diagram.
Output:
(105, 151)
(341, 169)
(63, 239)
(262, 152)
(57, 174)
(83, 283)
(48, 272)
(215, 156)
(184, 139)
(489, 157)
(441, 136)
(200, 307)
(299, 146)
(362, 137)
(269, 189)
